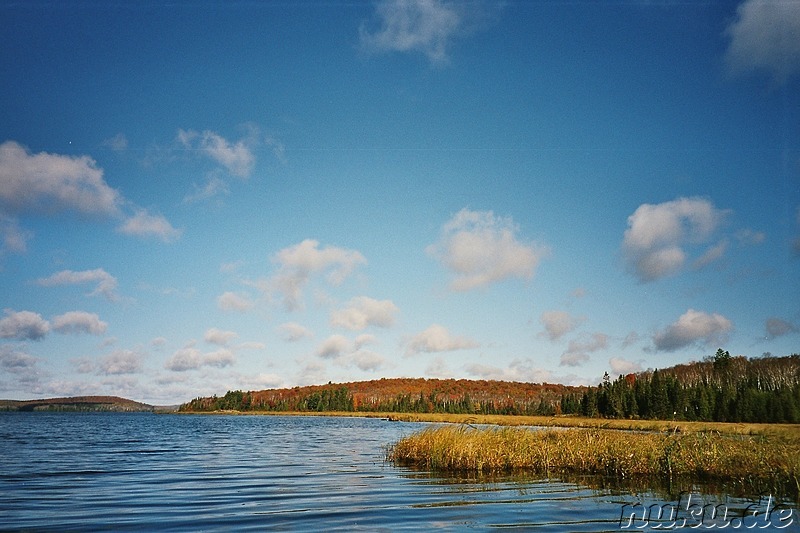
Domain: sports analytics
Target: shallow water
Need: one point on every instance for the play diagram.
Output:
(145, 472)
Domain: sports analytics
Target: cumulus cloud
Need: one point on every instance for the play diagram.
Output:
(558, 323)
(15, 361)
(79, 322)
(368, 361)
(693, 327)
(333, 347)
(480, 249)
(219, 358)
(425, 26)
(765, 37)
(654, 244)
(778, 327)
(578, 350)
(365, 339)
(237, 158)
(437, 338)
(144, 224)
(121, 362)
(293, 332)
(49, 184)
(23, 325)
(362, 312)
(219, 337)
(231, 301)
(296, 265)
(623, 366)
(191, 358)
(520, 370)
(106, 283)
(13, 238)
(52, 183)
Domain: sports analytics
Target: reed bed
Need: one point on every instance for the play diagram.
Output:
(702, 455)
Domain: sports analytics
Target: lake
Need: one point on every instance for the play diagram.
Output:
(147, 472)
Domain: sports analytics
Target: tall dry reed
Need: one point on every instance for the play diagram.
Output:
(599, 451)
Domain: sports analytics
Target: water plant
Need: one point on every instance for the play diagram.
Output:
(757, 460)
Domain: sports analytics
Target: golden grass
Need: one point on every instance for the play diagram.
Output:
(699, 455)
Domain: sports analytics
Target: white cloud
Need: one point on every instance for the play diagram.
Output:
(13, 238)
(334, 347)
(437, 339)
(365, 339)
(219, 358)
(693, 327)
(190, 358)
(121, 362)
(106, 283)
(79, 322)
(23, 325)
(362, 312)
(481, 249)
(52, 183)
(299, 262)
(219, 337)
(187, 358)
(654, 242)
(523, 370)
(623, 366)
(15, 361)
(578, 350)
(143, 224)
(711, 255)
(293, 332)
(213, 187)
(765, 36)
(558, 323)
(231, 301)
(425, 26)
(237, 158)
(368, 361)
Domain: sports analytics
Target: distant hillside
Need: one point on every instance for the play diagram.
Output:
(77, 403)
(399, 395)
(719, 388)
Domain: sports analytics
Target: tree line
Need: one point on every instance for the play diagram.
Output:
(719, 388)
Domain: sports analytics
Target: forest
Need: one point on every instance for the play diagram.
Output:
(719, 388)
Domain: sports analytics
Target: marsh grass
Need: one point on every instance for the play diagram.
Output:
(704, 456)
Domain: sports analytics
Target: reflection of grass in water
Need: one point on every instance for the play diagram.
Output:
(753, 463)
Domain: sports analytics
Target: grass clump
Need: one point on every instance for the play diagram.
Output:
(703, 456)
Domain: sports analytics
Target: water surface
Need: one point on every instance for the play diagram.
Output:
(145, 472)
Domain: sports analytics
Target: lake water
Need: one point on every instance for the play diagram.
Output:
(146, 472)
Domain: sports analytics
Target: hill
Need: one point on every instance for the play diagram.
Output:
(77, 403)
(399, 395)
(719, 388)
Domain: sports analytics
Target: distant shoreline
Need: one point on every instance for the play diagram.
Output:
(729, 428)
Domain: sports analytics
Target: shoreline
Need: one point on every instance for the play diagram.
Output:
(787, 431)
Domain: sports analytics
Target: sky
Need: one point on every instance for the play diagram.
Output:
(198, 197)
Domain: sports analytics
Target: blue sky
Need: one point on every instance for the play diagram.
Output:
(202, 196)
